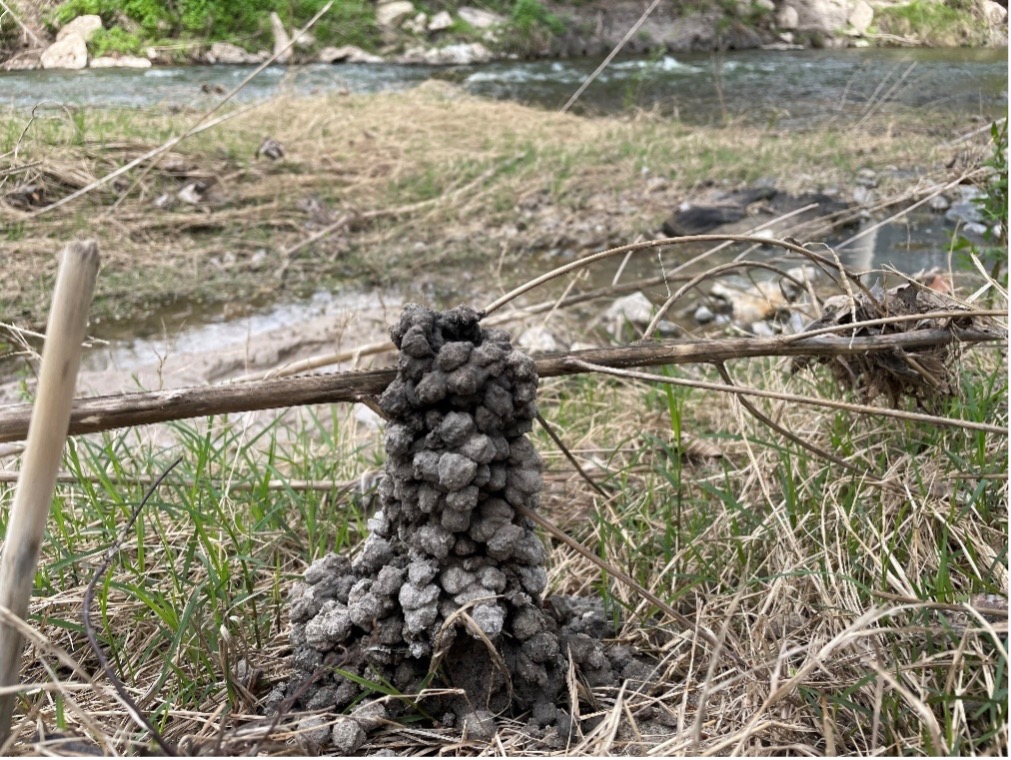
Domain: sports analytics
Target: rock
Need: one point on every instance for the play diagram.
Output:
(863, 195)
(228, 54)
(440, 22)
(480, 19)
(347, 737)
(537, 340)
(788, 18)
(459, 54)
(762, 329)
(69, 53)
(964, 212)
(347, 54)
(939, 203)
(392, 14)
(313, 731)
(636, 309)
(282, 41)
(766, 5)
(85, 26)
(120, 62)
(370, 715)
(704, 315)
(862, 16)
(479, 725)
(763, 301)
(824, 16)
(417, 25)
(193, 193)
(271, 148)
(305, 41)
(867, 178)
(29, 60)
(994, 13)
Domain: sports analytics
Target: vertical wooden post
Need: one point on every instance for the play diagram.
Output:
(47, 434)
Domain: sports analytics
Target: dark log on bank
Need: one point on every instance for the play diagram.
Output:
(100, 413)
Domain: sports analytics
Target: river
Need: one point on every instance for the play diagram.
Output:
(787, 87)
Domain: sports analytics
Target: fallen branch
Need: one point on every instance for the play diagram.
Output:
(128, 410)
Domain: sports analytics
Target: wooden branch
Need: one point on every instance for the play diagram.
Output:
(29, 512)
(128, 410)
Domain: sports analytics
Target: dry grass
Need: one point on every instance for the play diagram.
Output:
(863, 600)
(396, 164)
(869, 604)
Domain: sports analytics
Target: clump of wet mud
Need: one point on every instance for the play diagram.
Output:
(447, 589)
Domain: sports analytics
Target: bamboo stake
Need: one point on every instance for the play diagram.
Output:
(47, 434)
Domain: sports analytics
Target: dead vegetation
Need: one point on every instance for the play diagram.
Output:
(373, 181)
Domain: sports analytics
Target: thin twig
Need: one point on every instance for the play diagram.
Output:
(610, 56)
(797, 399)
(568, 455)
(89, 628)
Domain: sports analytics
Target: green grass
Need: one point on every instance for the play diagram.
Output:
(946, 23)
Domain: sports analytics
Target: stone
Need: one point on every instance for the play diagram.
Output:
(85, 26)
(635, 309)
(537, 340)
(119, 62)
(69, 53)
(230, 55)
(347, 737)
(704, 315)
(28, 60)
(459, 54)
(964, 212)
(862, 16)
(416, 25)
(282, 41)
(867, 178)
(440, 22)
(391, 15)
(347, 54)
(994, 13)
(313, 731)
(480, 19)
(939, 203)
(305, 41)
(371, 715)
(788, 18)
(479, 725)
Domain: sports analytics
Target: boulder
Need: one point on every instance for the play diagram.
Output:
(69, 53)
(347, 54)
(995, 13)
(227, 53)
(787, 18)
(862, 16)
(85, 26)
(281, 39)
(460, 54)
(480, 19)
(440, 22)
(391, 15)
(120, 62)
(824, 16)
(417, 25)
(24, 61)
(305, 41)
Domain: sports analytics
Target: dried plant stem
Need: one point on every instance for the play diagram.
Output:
(792, 397)
(47, 434)
(129, 410)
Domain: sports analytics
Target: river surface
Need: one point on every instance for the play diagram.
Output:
(785, 87)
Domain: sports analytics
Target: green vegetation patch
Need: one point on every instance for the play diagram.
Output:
(944, 23)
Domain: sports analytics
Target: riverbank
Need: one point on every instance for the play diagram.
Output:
(64, 35)
(432, 191)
